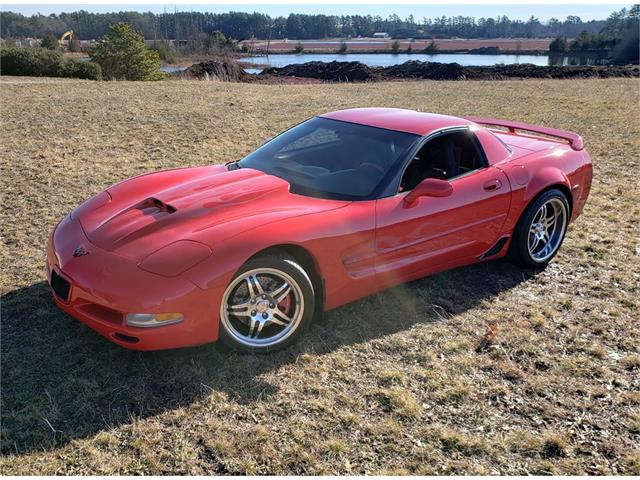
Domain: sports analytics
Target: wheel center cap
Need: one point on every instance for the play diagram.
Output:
(262, 306)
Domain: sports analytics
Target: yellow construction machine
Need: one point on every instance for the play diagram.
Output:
(65, 39)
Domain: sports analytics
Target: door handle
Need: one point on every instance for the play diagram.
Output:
(492, 185)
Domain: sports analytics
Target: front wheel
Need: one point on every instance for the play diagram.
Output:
(267, 305)
(541, 230)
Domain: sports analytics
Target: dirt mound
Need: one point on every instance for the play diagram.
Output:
(228, 69)
(498, 72)
(427, 70)
(331, 71)
(413, 69)
(225, 69)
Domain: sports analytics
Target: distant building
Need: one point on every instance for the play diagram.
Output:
(27, 42)
(381, 35)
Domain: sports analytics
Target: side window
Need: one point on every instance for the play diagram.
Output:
(445, 157)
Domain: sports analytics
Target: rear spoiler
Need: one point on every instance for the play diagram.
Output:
(575, 140)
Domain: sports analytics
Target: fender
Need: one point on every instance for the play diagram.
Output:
(526, 184)
(340, 243)
(544, 178)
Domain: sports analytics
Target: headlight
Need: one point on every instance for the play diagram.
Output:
(153, 319)
(175, 258)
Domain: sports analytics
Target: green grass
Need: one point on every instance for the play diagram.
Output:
(389, 384)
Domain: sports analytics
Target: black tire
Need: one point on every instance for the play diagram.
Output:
(523, 237)
(285, 268)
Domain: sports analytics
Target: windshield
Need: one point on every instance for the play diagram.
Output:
(332, 159)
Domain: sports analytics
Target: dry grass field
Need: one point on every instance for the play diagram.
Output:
(389, 384)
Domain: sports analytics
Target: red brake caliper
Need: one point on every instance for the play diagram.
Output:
(285, 304)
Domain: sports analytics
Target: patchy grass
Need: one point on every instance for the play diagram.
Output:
(389, 384)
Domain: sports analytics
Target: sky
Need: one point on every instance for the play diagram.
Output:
(522, 12)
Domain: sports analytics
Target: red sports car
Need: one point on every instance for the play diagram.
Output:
(336, 208)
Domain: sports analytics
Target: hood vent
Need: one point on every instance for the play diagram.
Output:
(158, 204)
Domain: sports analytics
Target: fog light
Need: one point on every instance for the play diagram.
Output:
(153, 319)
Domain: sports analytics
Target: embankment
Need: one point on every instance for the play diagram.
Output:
(359, 72)
(228, 69)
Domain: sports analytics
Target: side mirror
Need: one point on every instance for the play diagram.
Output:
(429, 187)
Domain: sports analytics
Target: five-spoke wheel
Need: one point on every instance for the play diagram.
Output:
(547, 229)
(266, 304)
(541, 229)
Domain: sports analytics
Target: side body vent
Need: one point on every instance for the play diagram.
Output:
(496, 248)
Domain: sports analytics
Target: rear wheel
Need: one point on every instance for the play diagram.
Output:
(267, 305)
(541, 230)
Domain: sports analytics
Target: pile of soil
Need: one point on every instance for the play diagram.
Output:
(414, 69)
(225, 69)
(499, 72)
(331, 71)
(427, 70)
(228, 69)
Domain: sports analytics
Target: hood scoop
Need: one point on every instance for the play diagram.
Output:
(140, 218)
(151, 207)
(159, 204)
(148, 212)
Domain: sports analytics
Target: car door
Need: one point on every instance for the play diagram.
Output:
(435, 232)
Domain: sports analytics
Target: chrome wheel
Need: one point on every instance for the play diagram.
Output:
(262, 307)
(547, 229)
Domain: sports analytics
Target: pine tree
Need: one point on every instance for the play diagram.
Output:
(559, 44)
(49, 41)
(123, 55)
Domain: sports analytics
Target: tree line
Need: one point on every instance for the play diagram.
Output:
(619, 35)
(241, 26)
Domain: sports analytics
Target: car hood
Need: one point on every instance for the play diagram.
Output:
(207, 204)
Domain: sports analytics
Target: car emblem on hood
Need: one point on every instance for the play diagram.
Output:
(80, 251)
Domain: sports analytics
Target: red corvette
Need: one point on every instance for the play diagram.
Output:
(334, 209)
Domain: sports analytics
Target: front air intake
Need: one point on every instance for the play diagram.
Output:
(60, 286)
(125, 338)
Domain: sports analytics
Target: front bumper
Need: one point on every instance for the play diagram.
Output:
(103, 287)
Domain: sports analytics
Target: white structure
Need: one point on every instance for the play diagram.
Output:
(28, 42)
(381, 35)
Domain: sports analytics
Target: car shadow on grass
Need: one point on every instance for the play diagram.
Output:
(62, 381)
